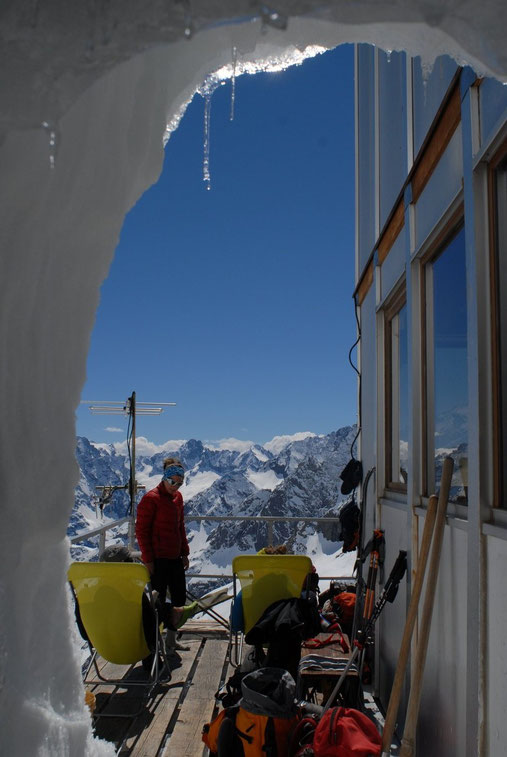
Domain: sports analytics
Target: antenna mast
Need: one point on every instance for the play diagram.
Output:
(129, 408)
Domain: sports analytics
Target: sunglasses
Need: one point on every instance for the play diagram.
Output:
(172, 482)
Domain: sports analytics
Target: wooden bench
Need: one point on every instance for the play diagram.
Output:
(320, 668)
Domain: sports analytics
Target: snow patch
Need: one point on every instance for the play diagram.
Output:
(260, 455)
(196, 483)
(264, 479)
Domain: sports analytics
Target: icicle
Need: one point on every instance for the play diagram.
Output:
(188, 20)
(233, 81)
(205, 164)
(53, 141)
(426, 71)
(206, 90)
(271, 17)
(389, 53)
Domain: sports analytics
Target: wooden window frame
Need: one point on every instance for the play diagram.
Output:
(499, 482)
(395, 304)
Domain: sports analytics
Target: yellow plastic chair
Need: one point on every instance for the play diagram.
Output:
(264, 579)
(109, 598)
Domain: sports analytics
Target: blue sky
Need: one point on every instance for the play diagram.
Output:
(237, 302)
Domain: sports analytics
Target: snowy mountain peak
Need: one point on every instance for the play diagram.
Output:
(278, 443)
(295, 475)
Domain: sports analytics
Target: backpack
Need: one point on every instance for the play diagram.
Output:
(239, 733)
(345, 732)
(231, 693)
(261, 724)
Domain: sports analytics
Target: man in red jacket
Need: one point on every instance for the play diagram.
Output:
(161, 535)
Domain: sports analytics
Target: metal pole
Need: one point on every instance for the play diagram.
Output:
(270, 533)
(133, 485)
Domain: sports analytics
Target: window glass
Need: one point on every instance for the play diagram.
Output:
(447, 367)
(366, 151)
(429, 87)
(392, 129)
(397, 399)
(493, 102)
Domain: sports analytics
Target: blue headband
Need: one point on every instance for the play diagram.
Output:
(173, 470)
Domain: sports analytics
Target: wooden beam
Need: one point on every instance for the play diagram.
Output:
(365, 283)
(445, 128)
(391, 232)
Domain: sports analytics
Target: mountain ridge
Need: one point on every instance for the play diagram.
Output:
(297, 477)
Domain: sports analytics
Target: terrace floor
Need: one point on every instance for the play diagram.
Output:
(172, 719)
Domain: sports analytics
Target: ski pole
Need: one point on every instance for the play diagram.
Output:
(409, 733)
(388, 595)
(378, 537)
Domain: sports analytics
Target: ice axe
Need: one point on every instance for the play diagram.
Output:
(409, 733)
(394, 700)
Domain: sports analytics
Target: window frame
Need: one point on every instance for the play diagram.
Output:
(392, 308)
(499, 160)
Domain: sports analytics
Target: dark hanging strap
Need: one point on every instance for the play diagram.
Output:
(229, 741)
(270, 747)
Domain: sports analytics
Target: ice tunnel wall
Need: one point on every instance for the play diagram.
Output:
(59, 228)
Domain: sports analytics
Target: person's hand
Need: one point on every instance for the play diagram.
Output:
(150, 567)
(184, 560)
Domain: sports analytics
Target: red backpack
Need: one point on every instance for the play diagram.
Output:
(344, 732)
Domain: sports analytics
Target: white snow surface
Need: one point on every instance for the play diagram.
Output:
(197, 481)
(264, 479)
(107, 84)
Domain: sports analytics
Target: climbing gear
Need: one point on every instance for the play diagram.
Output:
(336, 637)
(364, 635)
(375, 548)
(358, 568)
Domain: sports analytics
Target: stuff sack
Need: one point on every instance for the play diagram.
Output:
(349, 517)
(344, 605)
(261, 724)
(345, 732)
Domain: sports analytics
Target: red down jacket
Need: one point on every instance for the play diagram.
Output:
(160, 526)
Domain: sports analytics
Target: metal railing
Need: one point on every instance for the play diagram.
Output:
(101, 531)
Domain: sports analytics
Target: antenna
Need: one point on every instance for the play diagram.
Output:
(129, 408)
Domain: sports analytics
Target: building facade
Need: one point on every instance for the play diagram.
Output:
(431, 251)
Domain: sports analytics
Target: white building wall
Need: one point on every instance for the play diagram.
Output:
(464, 692)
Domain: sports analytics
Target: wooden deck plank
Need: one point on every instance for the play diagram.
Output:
(198, 706)
(146, 735)
(204, 626)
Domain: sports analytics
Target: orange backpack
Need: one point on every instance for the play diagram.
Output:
(235, 732)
